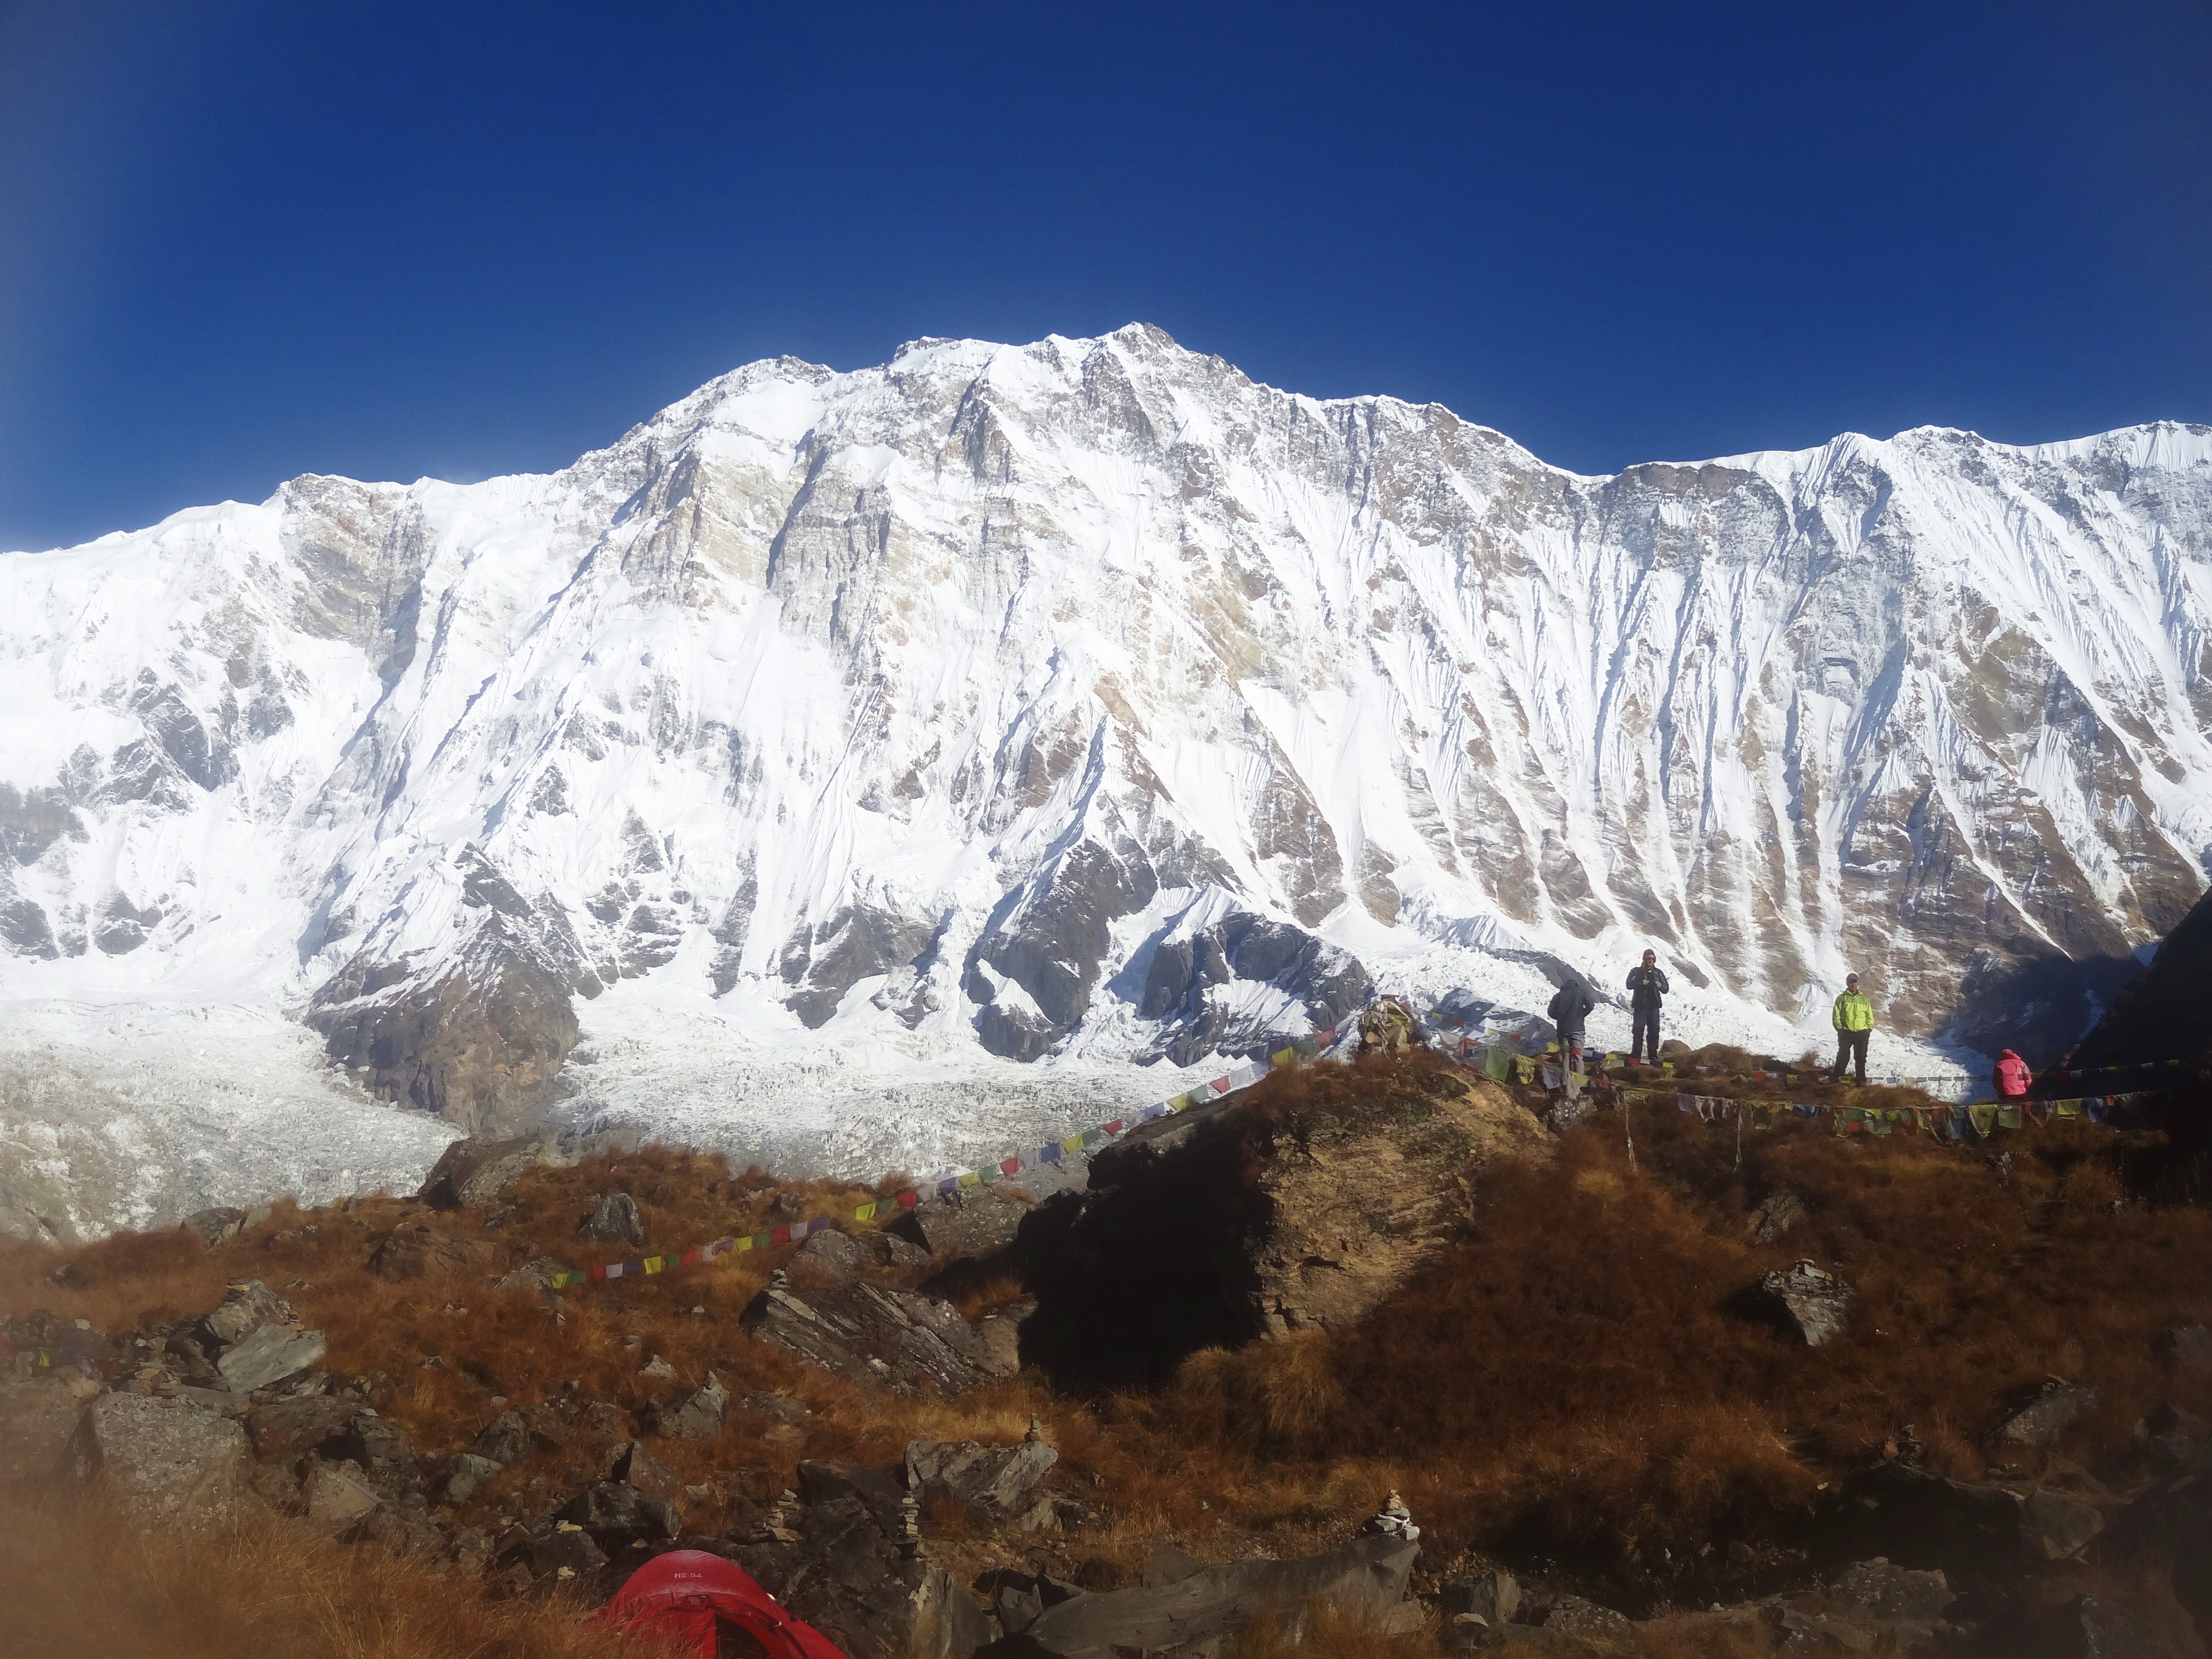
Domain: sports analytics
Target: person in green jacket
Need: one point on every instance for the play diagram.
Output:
(1854, 1025)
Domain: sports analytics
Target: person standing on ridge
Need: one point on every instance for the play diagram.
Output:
(1854, 1025)
(2011, 1076)
(1647, 990)
(1570, 1010)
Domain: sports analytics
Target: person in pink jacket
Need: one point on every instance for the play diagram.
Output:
(2012, 1077)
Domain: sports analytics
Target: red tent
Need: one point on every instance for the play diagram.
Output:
(712, 1607)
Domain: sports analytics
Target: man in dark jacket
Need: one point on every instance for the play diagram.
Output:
(1570, 1011)
(1647, 990)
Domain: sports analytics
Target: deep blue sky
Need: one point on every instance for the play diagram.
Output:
(240, 241)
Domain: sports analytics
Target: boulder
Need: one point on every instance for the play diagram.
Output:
(337, 1496)
(474, 1171)
(2188, 1347)
(1781, 1210)
(822, 1482)
(505, 1439)
(781, 1407)
(999, 1334)
(1002, 1484)
(828, 1257)
(2169, 1435)
(269, 1356)
(553, 1549)
(2053, 1527)
(2044, 1419)
(1366, 1577)
(171, 1463)
(1870, 1606)
(536, 1274)
(245, 1309)
(849, 1573)
(1814, 1304)
(1580, 1621)
(215, 1226)
(381, 1449)
(283, 1429)
(969, 1221)
(615, 1220)
(700, 1415)
(464, 1474)
(414, 1250)
(896, 1339)
(37, 1420)
(1920, 1520)
(2096, 1627)
(1493, 1597)
(634, 1466)
(617, 1515)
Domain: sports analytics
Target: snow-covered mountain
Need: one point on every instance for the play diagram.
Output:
(1087, 702)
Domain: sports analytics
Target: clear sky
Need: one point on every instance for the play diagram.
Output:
(240, 241)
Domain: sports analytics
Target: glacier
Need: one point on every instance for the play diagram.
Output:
(874, 768)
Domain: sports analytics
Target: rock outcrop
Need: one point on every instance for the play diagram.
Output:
(890, 1339)
(1234, 1221)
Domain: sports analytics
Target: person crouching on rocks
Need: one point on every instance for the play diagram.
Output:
(1647, 990)
(2011, 1076)
(1570, 1011)
(1854, 1021)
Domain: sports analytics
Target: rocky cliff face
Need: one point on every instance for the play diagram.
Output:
(1088, 698)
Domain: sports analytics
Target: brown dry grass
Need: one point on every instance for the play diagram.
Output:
(1570, 1382)
(75, 1580)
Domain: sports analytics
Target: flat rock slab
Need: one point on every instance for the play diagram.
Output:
(1007, 1483)
(1367, 1578)
(269, 1355)
(173, 1463)
(886, 1339)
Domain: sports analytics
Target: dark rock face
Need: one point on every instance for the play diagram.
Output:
(1326, 982)
(857, 942)
(868, 1334)
(480, 1037)
(1959, 1528)
(2162, 1012)
(1050, 937)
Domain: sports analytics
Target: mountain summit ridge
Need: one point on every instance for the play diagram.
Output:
(1090, 700)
